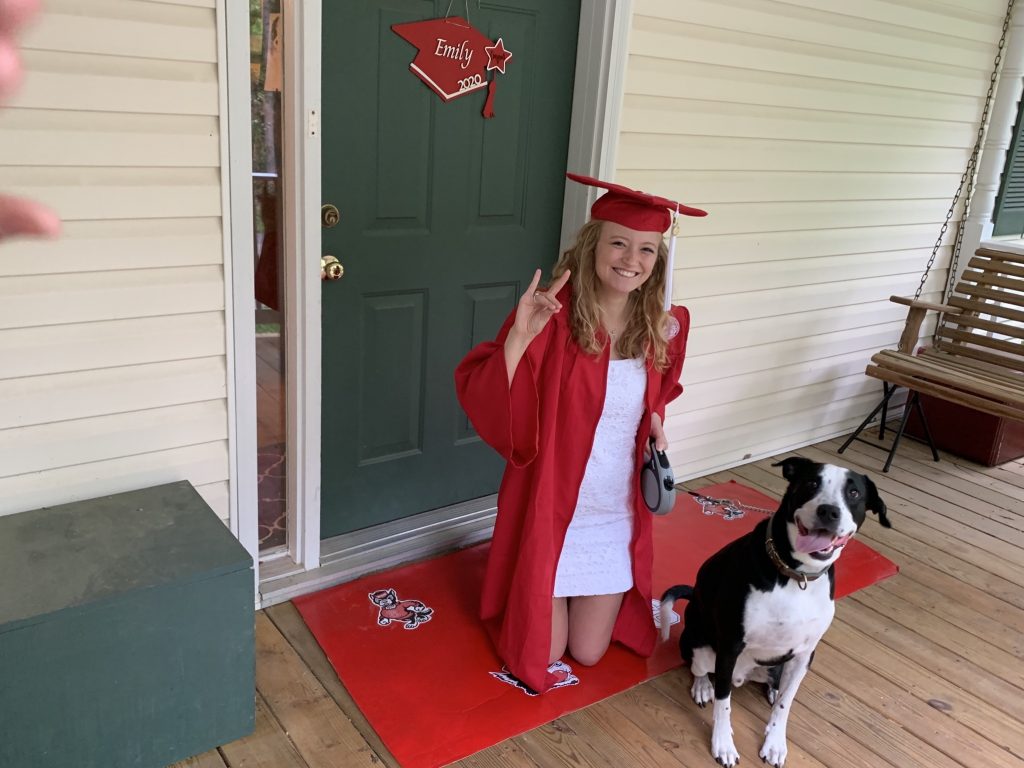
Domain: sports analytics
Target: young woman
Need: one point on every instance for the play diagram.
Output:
(569, 393)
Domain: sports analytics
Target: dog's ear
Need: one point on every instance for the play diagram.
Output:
(792, 465)
(874, 502)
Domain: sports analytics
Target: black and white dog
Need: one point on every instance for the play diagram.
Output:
(762, 602)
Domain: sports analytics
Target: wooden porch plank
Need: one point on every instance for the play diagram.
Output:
(948, 665)
(963, 469)
(321, 732)
(685, 729)
(960, 615)
(903, 549)
(871, 728)
(921, 574)
(1008, 473)
(507, 754)
(289, 623)
(913, 677)
(621, 738)
(267, 747)
(556, 745)
(997, 661)
(816, 735)
(678, 728)
(211, 759)
(956, 743)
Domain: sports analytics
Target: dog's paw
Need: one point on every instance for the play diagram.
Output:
(702, 690)
(771, 694)
(774, 750)
(724, 750)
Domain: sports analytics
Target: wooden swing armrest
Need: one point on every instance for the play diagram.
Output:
(915, 317)
(925, 305)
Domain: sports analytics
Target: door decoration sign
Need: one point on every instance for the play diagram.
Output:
(454, 58)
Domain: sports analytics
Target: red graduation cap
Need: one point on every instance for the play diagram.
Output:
(642, 212)
(632, 208)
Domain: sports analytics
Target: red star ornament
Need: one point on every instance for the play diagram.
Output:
(497, 56)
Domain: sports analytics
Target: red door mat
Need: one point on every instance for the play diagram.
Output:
(409, 648)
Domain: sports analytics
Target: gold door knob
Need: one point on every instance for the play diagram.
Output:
(330, 268)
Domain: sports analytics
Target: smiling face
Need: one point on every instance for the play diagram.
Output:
(624, 258)
(825, 505)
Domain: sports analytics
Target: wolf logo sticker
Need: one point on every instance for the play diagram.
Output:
(411, 613)
(560, 669)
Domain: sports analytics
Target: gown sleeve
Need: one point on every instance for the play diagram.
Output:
(670, 386)
(506, 417)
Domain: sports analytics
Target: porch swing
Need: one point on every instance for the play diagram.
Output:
(977, 355)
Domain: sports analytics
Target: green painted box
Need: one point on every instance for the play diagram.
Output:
(126, 632)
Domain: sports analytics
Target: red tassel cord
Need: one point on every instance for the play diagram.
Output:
(489, 104)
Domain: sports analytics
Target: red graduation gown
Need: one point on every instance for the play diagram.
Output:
(544, 426)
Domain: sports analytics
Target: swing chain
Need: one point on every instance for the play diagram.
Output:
(967, 180)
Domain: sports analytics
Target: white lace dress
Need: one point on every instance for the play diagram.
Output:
(595, 558)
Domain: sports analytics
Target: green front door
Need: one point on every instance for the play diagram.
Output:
(443, 216)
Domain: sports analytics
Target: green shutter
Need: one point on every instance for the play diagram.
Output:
(1009, 215)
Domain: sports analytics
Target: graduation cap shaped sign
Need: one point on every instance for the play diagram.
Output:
(454, 57)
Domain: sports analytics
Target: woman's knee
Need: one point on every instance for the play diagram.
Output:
(588, 651)
(591, 621)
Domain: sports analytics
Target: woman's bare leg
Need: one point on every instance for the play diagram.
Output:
(559, 628)
(591, 620)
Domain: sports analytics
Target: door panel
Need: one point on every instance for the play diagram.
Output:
(444, 215)
(392, 369)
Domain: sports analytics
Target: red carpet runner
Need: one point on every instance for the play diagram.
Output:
(421, 667)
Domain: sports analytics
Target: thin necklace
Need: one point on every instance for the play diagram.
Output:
(604, 315)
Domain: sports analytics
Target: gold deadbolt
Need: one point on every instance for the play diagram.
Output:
(329, 215)
(330, 268)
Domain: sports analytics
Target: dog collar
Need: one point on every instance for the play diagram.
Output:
(773, 554)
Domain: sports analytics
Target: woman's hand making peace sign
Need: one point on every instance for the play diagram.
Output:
(535, 309)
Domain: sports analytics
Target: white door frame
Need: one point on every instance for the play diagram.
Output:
(239, 318)
(600, 72)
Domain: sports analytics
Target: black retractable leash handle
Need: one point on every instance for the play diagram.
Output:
(657, 482)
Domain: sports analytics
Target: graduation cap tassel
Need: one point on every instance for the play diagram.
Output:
(670, 264)
(489, 104)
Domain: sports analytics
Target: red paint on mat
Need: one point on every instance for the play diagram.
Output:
(428, 691)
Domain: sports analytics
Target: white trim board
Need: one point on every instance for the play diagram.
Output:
(302, 250)
(602, 51)
(239, 315)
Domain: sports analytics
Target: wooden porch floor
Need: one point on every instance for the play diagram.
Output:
(924, 669)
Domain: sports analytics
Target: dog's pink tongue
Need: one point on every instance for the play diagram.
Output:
(812, 542)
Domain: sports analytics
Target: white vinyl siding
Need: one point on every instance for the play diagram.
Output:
(826, 139)
(112, 338)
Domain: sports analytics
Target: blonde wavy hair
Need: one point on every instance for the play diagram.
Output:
(644, 334)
